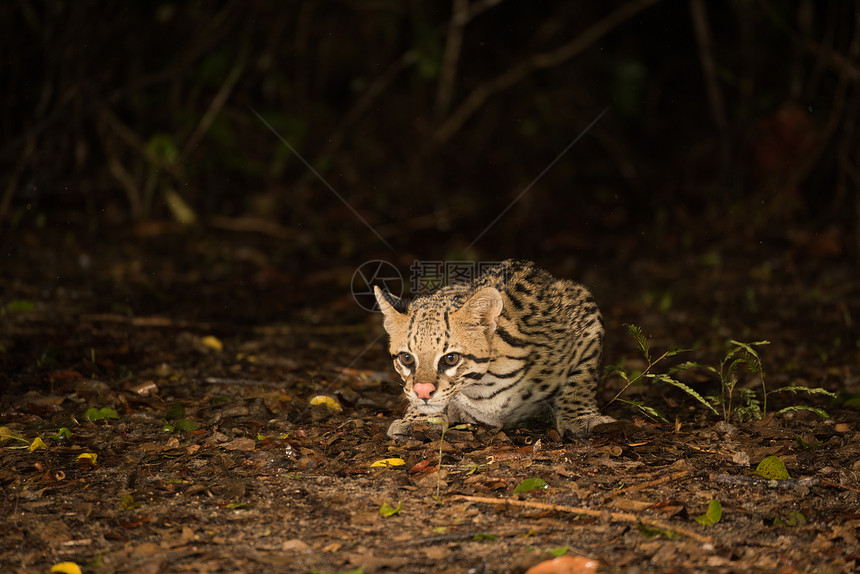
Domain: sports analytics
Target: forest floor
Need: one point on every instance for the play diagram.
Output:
(156, 415)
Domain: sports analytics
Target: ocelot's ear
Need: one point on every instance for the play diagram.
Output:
(393, 308)
(483, 308)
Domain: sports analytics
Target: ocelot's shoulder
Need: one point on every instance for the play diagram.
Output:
(511, 267)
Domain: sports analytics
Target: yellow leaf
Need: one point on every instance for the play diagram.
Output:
(6, 433)
(66, 568)
(389, 462)
(37, 444)
(91, 456)
(327, 401)
(181, 211)
(212, 342)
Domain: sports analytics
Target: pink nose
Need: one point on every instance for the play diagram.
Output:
(424, 390)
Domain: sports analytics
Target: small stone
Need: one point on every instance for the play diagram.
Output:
(741, 458)
(726, 428)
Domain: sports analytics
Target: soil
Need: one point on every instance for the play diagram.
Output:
(208, 349)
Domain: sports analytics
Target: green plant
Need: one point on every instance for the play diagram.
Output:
(443, 420)
(739, 356)
(647, 374)
(743, 403)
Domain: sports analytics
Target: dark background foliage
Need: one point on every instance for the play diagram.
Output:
(724, 120)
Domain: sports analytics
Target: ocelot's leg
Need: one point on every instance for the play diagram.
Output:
(576, 407)
(401, 428)
(457, 414)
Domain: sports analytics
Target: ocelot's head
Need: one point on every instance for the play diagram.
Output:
(439, 344)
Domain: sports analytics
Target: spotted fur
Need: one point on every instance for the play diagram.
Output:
(499, 350)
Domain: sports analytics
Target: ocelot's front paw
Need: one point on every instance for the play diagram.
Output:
(400, 430)
(581, 426)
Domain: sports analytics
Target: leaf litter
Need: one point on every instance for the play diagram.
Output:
(235, 458)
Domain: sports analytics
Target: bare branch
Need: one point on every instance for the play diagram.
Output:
(451, 57)
(539, 61)
(706, 56)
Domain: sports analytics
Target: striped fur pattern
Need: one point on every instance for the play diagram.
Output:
(499, 350)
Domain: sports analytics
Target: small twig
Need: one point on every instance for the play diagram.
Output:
(451, 56)
(805, 20)
(655, 482)
(845, 146)
(252, 225)
(377, 88)
(613, 516)
(706, 56)
(479, 7)
(12, 186)
(837, 485)
(702, 30)
(125, 179)
(365, 102)
(833, 58)
(151, 321)
(743, 480)
(243, 382)
(471, 535)
(214, 108)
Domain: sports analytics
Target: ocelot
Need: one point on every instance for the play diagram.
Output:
(498, 350)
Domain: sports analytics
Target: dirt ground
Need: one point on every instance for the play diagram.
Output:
(206, 350)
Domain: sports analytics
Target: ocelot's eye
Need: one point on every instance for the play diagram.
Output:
(450, 359)
(406, 359)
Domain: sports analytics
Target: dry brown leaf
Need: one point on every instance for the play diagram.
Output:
(242, 443)
(565, 565)
(294, 545)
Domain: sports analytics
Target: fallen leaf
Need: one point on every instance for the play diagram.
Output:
(66, 568)
(127, 502)
(629, 505)
(436, 552)
(388, 462)
(145, 389)
(37, 444)
(146, 549)
(484, 536)
(185, 425)
(386, 510)
(531, 484)
(212, 342)
(326, 401)
(243, 443)
(91, 456)
(179, 208)
(137, 522)
(175, 411)
(713, 514)
(65, 375)
(93, 414)
(772, 467)
(420, 467)
(7, 434)
(294, 544)
(565, 565)
(651, 532)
